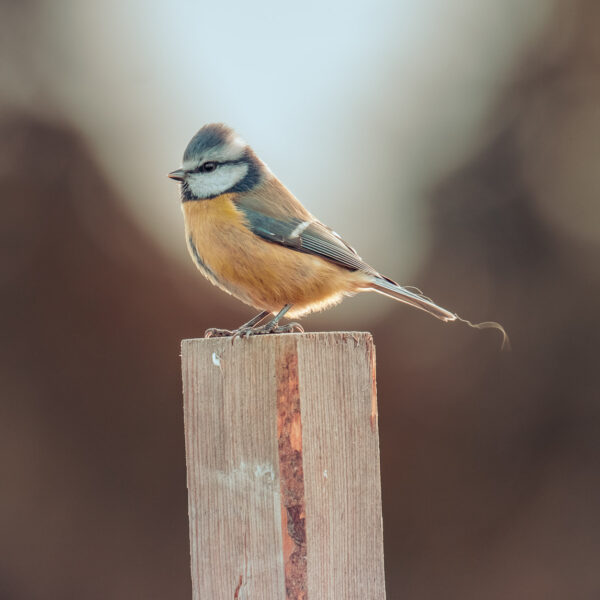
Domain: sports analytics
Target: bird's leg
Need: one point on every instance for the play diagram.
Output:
(249, 328)
(273, 325)
(246, 327)
(254, 321)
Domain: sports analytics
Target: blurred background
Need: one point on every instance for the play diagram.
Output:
(455, 143)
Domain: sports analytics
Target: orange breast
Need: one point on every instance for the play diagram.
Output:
(260, 273)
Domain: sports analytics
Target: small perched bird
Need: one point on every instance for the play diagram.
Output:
(249, 235)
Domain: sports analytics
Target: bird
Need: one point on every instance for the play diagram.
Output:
(250, 236)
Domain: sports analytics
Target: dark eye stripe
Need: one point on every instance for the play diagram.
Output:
(213, 164)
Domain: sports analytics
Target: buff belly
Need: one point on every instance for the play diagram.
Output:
(261, 273)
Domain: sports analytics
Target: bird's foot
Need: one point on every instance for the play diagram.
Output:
(290, 328)
(268, 329)
(244, 332)
(214, 332)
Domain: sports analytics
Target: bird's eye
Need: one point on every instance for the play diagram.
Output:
(208, 166)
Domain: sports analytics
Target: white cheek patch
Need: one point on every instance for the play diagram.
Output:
(223, 178)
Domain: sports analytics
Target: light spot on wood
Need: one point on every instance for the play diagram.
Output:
(262, 470)
(374, 413)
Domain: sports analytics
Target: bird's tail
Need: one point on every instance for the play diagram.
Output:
(393, 290)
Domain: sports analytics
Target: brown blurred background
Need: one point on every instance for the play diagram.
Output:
(457, 147)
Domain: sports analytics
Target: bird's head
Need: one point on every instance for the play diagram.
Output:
(217, 161)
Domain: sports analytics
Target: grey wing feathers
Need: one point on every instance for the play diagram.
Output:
(321, 240)
(272, 229)
(311, 237)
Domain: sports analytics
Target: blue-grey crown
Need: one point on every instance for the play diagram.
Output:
(210, 136)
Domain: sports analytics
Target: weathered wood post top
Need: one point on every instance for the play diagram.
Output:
(283, 475)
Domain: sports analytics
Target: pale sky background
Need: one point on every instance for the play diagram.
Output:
(358, 107)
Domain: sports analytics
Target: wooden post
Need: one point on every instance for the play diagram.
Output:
(283, 467)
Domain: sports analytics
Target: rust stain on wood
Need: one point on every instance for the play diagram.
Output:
(291, 474)
(236, 595)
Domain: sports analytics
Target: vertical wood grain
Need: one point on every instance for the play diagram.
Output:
(283, 467)
(341, 466)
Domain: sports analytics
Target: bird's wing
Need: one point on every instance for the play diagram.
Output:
(303, 235)
(293, 230)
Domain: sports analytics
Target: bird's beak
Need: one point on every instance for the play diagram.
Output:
(177, 175)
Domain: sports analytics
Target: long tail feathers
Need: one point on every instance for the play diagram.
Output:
(418, 300)
(393, 290)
